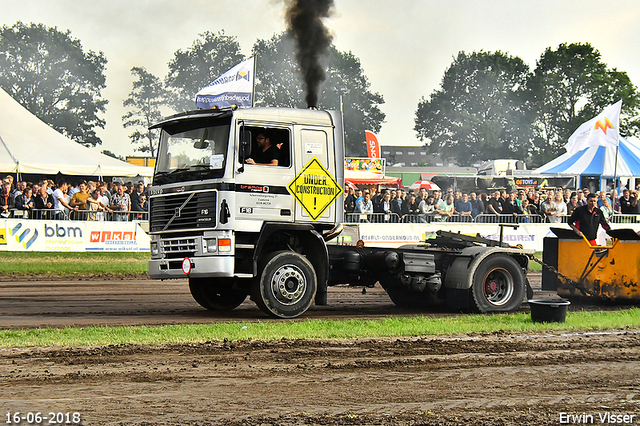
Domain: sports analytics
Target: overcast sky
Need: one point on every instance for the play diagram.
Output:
(404, 45)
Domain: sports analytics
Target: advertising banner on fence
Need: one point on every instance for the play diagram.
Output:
(67, 236)
(527, 235)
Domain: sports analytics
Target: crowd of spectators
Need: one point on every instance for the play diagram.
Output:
(531, 205)
(87, 200)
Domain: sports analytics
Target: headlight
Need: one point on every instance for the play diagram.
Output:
(154, 249)
(210, 245)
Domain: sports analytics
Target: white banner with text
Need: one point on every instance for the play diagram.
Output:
(529, 235)
(67, 236)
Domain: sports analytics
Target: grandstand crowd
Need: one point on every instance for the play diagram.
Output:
(531, 205)
(83, 200)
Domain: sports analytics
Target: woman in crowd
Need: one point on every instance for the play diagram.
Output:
(607, 210)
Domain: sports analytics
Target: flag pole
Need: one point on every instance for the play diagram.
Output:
(253, 88)
(615, 172)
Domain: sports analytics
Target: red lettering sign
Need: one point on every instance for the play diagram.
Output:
(373, 146)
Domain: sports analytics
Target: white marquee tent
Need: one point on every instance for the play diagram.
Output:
(598, 161)
(29, 145)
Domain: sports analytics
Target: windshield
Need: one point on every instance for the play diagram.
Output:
(192, 150)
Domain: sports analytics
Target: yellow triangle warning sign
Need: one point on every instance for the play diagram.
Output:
(314, 188)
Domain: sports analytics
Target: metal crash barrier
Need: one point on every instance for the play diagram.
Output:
(84, 215)
(481, 218)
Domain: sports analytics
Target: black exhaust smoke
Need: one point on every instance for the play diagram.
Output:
(304, 20)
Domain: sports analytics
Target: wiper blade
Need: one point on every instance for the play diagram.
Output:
(179, 170)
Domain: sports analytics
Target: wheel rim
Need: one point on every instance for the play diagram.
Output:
(288, 284)
(498, 286)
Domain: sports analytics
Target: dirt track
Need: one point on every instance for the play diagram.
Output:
(496, 379)
(482, 380)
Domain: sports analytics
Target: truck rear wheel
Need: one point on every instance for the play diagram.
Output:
(499, 285)
(286, 286)
(216, 294)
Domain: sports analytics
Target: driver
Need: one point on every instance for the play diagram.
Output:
(267, 154)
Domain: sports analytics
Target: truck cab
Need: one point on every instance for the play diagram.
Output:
(236, 229)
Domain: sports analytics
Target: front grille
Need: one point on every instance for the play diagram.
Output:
(179, 245)
(182, 211)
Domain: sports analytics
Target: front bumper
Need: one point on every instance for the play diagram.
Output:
(210, 266)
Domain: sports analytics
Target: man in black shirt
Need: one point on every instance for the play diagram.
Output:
(266, 154)
(628, 203)
(585, 219)
(495, 206)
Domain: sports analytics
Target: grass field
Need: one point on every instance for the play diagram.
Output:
(78, 264)
(318, 329)
(56, 264)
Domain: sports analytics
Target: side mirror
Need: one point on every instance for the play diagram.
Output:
(245, 147)
(245, 144)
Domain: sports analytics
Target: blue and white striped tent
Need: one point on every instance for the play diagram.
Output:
(598, 161)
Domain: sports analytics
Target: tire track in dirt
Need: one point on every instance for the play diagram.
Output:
(480, 379)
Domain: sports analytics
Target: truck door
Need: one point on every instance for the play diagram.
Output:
(261, 190)
(315, 201)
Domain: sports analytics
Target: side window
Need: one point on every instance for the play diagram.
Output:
(269, 143)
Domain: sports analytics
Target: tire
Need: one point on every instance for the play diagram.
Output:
(499, 285)
(286, 286)
(216, 294)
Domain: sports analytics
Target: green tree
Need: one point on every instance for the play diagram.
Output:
(190, 70)
(47, 72)
(146, 98)
(113, 155)
(571, 85)
(481, 110)
(280, 84)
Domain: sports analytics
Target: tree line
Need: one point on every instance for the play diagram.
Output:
(492, 105)
(489, 104)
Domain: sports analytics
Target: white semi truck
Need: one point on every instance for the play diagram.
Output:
(236, 229)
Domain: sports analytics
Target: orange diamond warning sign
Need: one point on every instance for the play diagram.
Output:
(314, 188)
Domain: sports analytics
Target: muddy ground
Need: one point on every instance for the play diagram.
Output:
(495, 379)
(478, 380)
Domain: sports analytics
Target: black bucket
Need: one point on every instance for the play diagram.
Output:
(554, 310)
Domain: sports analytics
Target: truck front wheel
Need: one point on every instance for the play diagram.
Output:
(499, 285)
(216, 294)
(286, 286)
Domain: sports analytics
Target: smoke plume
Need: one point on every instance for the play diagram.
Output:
(304, 21)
